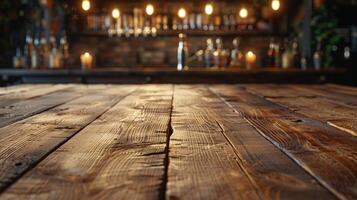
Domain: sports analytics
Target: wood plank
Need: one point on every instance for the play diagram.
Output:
(202, 164)
(343, 89)
(328, 93)
(339, 115)
(326, 153)
(30, 107)
(274, 174)
(24, 143)
(19, 88)
(11, 98)
(121, 155)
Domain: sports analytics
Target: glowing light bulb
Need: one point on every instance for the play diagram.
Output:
(182, 13)
(85, 5)
(275, 5)
(149, 9)
(209, 9)
(115, 13)
(243, 13)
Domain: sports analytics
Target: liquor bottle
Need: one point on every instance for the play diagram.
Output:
(271, 54)
(208, 54)
(278, 53)
(44, 52)
(232, 22)
(296, 54)
(199, 21)
(182, 53)
(192, 21)
(64, 50)
(287, 56)
(175, 24)
(165, 22)
(217, 23)
(318, 56)
(237, 56)
(220, 55)
(34, 54)
(28, 50)
(17, 59)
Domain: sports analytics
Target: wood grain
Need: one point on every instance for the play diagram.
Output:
(39, 90)
(26, 142)
(121, 155)
(19, 88)
(310, 104)
(202, 163)
(326, 153)
(327, 92)
(343, 89)
(26, 108)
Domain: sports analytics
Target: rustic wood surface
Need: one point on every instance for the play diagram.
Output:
(178, 142)
(313, 102)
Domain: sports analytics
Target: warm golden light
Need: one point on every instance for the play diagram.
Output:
(209, 9)
(149, 9)
(86, 60)
(182, 13)
(243, 13)
(275, 5)
(250, 59)
(115, 13)
(85, 5)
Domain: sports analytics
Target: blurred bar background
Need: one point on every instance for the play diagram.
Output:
(222, 34)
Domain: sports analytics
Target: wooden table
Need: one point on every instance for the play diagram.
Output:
(178, 142)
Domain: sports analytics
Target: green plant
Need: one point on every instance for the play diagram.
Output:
(323, 26)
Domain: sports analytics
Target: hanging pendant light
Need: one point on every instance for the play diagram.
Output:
(86, 5)
(275, 5)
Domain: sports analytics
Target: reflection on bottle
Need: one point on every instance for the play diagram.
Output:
(182, 53)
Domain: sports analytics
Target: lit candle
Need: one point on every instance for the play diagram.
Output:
(86, 61)
(250, 59)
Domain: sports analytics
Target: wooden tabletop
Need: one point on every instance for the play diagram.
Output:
(178, 142)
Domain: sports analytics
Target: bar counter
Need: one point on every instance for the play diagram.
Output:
(171, 75)
(168, 141)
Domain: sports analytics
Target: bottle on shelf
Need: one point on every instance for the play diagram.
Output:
(44, 52)
(296, 54)
(17, 59)
(182, 53)
(208, 54)
(318, 57)
(28, 50)
(286, 56)
(271, 54)
(237, 57)
(55, 56)
(220, 54)
(34, 54)
(278, 53)
(64, 50)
